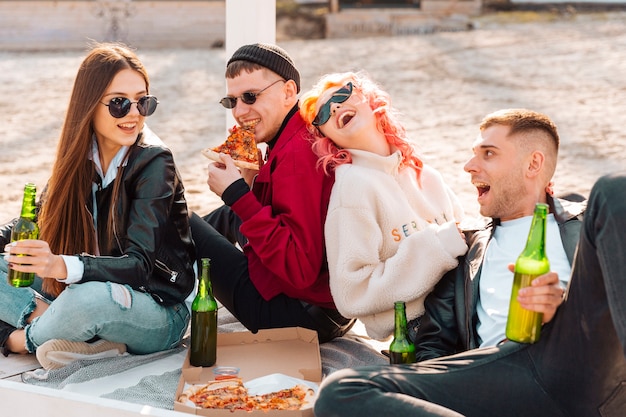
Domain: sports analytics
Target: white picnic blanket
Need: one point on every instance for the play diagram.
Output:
(152, 379)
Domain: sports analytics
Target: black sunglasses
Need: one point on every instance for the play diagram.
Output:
(248, 97)
(120, 106)
(338, 96)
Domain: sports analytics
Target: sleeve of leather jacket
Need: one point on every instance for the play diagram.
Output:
(438, 334)
(5, 233)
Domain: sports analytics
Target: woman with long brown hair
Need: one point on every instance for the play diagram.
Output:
(115, 255)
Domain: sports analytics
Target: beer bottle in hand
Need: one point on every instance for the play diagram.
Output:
(25, 228)
(203, 322)
(401, 349)
(524, 326)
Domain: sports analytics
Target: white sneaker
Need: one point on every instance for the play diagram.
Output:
(57, 353)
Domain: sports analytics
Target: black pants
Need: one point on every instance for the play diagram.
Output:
(577, 369)
(227, 223)
(234, 289)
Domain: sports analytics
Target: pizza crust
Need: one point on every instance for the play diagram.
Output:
(192, 390)
(214, 156)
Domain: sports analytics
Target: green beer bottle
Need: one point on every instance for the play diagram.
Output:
(203, 322)
(524, 326)
(401, 349)
(25, 228)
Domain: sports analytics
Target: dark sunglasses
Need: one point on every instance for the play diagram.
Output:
(120, 106)
(248, 97)
(338, 96)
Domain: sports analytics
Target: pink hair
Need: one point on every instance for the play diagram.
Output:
(330, 156)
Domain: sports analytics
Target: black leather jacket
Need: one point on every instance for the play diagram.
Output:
(152, 250)
(449, 323)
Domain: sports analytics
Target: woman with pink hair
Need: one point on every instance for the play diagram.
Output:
(391, 229)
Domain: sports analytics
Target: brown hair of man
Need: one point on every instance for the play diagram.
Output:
(532, 129)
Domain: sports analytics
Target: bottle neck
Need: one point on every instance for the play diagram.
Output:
(28, 202)
(535, 245)
(400, 322)
(203, 286)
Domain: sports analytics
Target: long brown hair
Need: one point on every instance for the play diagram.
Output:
(65, 221)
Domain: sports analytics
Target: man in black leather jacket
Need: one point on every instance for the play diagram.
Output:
(449, 324)
(577, 368)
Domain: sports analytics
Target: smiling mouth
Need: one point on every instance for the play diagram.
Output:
(482, 188)
(250, 124)
(127, 125)
(345, 118)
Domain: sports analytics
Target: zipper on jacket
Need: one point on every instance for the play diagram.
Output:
(173, 274)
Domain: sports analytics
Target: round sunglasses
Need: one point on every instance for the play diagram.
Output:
(248, 97)
(120, 106)
(338, 96)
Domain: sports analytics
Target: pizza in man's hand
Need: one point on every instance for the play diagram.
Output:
(240, 145)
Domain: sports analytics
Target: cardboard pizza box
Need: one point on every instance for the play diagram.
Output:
(292, 351)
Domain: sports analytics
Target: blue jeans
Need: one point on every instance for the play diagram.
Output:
(85, 310)
(577, 369)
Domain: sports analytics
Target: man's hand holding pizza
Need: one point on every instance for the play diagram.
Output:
(243, 159)
(222, 174)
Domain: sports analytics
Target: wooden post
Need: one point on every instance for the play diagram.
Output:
(248, 22)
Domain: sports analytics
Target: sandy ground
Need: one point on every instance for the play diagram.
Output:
(571, 69)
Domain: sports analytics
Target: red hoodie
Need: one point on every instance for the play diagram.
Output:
(283, 218)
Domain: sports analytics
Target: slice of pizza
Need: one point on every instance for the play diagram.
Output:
(232, 395)
(227, 394)
(240, 145)
(298, 397)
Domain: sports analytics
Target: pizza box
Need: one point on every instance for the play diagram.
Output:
(291, 351)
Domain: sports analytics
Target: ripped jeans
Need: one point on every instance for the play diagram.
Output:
(84, 310)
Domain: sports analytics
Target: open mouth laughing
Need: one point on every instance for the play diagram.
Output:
(482, 188)
(345, 118)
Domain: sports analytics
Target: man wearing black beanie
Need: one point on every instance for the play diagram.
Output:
(276, 214)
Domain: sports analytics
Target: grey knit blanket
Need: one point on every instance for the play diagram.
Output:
(159, 390)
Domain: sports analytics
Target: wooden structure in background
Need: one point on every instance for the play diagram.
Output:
(28, 25)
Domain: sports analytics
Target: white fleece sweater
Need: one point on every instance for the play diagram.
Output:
(388, 239)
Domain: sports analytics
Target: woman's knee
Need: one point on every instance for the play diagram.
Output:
(93, 296)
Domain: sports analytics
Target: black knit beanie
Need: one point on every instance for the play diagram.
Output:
(271, 57)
